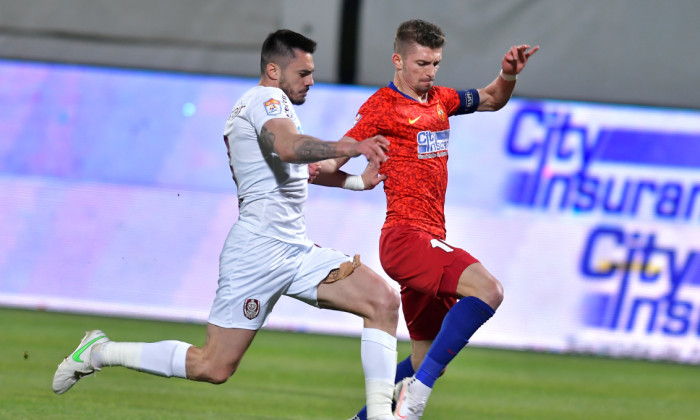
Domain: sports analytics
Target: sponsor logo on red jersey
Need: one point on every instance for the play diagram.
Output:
(432, 144)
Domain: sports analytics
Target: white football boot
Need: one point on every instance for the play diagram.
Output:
(77, 365)
(408, 405)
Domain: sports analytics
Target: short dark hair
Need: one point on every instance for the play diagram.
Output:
(282, 43)
(419, 31)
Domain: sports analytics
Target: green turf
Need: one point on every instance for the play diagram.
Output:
(304, 376)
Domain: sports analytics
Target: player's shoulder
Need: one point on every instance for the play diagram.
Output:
(271, 99)
(383, 95)
(263, 93)
(443, 91)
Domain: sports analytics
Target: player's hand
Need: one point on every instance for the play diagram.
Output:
(515, 59)
(371, 176)
(374, 149)
(314, 170)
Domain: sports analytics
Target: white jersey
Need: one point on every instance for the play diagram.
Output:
(271, 193)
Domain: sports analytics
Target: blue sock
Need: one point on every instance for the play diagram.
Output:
(460, 323)
(403, 370)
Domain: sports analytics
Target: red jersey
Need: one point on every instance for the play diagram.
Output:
(419, 136)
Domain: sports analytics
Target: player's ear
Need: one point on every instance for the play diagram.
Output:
(273, 71)
(397, 60)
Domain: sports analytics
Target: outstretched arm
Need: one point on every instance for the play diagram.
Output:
(497, 94)
(329, 174)
(281, 136)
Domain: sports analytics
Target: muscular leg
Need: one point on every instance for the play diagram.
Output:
(478, 282)
(475, 281)
(406, 368)
(366, 294)
(480, 294)
(419, 348)
(214, 362)
(220, 356)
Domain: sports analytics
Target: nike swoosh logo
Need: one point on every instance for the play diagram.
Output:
(399, 400)
(76, 355)
(411, 121)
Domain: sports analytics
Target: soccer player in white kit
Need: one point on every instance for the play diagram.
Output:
(267, 253)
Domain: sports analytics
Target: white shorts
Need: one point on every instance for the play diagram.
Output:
(254, 271)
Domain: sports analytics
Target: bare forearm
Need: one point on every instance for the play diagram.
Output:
(496, 95)
(301, 148)
(307, 149)
(332, 179)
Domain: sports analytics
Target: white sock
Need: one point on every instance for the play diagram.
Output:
(378, 352)
(164, 358)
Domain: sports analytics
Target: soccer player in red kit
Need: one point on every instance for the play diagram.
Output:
(446, 293)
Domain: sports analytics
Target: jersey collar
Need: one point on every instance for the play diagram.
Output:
(391, 85)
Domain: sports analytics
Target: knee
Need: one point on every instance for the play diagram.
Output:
(484, 286)
(219, 376)
(385, 302)
(215, 374)
(393, 302)
(388, 300)
(494, 292)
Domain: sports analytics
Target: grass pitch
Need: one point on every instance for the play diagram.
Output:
(305, 376)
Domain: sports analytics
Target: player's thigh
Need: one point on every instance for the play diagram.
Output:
(477, 281)
(314, 264)
(254, 272)
(422, 262)
(361, 293)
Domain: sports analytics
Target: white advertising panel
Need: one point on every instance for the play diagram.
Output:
(116, 198)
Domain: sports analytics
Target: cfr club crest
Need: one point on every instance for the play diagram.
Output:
(251, 308)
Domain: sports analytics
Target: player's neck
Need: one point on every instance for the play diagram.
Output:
(267, 82)
(406, 89)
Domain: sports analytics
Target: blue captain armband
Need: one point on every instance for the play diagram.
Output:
(468, 101)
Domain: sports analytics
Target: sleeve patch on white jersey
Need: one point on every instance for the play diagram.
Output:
(272, 107)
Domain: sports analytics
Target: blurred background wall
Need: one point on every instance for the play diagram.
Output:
(620, 51)
(115, 191)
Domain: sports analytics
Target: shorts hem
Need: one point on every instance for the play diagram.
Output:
(450, 278)
(232, 325)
